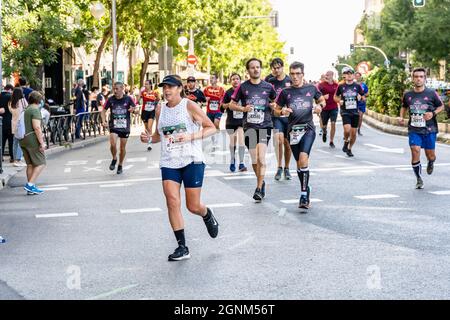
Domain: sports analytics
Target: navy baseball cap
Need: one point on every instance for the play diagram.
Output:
(171, 81)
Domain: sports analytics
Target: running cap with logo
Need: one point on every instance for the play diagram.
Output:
(171, 81)
(191, 79)
(347, 70)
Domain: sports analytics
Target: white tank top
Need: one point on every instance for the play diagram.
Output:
(173, 121)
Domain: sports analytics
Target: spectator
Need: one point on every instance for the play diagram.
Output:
(80, 106)
(33, 144)
(17, 105)
(93, 98)
(25, 88)
(7, 135)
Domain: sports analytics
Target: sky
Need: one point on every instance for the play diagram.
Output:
(319, 30)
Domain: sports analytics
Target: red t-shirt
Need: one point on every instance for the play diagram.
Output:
(215, 96)
(329, 89)
(149, 100)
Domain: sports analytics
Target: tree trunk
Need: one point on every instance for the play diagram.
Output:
(130, 68)
(106, 36)
(147, 52)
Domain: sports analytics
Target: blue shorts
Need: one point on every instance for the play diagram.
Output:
(362, 108)
(214, 116)
(191, 175)
(280, 124)
(425, 141)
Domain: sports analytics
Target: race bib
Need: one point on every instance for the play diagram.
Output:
(238, 115)
(150, 105)
(256, 116)
(120, 123)
(417, 120)
(213, 105)
(350, 104)
(171, 136)
(297, 133)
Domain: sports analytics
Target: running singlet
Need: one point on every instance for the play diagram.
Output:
(215, 95)
(301, 101)
(149, 100)
(259, 97)
(418, 104)
(349, 94)
(119, 120)
(196, 95)
(234, 118)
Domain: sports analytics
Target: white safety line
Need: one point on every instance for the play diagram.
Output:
(291, 201)
(322, 151)
(404, 169)
(57, 215)
(377, 196)
(116, 185)
(132, 160)
(67, 170)
(101, 160)
(142, 210)
(55, 189)
(77, 163)
(100, 182)
(355, 172)
(128, 167)
(440, 193)
(224, 205)
(240, 177)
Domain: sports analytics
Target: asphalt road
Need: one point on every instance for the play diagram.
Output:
(96, 235)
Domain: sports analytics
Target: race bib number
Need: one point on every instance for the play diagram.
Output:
(256, 116)
(213, 105)
(120, 123)
(418, 121)
(350, 104)
(171, 137)
(150, 105)
(297, 133)
(238, 115)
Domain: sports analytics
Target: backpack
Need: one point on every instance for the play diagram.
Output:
(20, 132)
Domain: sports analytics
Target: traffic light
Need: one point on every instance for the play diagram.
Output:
(352, 48)
(418, 3)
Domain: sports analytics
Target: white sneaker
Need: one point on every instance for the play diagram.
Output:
(19, 164)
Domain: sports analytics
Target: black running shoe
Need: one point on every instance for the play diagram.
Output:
(180, 253)
(419, 184)
(349, 153)
(258, 195)
(149, 148)
(430, 167)
(345, 147)
(332, 146)
(263, 189)
(324, 136)
(119, 169)
(112, 166)
(304, 202)
(211, 224)
(287, 174)
(279, 173)
(359, 132)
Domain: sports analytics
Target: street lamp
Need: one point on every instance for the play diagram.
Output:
(98, 10)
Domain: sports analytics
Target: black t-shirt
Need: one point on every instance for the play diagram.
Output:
(278, 85)
(196, 96)
(259, 96)
(349, 94)
(301, 101)
(5, 97)
(418, 103)
(120, 116)
(234, 118)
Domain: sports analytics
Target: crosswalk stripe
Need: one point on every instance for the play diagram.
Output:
(291, 201)
(377, 196)
(239, 177)
(55, 189)
(224, 205)
(57, 215)
(142, 210)
(355, 172)
(132, 160)
(440, 193)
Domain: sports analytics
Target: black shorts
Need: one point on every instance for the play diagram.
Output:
(255, 136)
(146, 115)
(351, 119)
(281, 125)
(231, 127)
(329, 115)
(305, 144)
(120, 134)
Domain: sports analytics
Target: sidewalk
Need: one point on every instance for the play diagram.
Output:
(10, 171)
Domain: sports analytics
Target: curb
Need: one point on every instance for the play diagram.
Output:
(9, 172)
(398, 130)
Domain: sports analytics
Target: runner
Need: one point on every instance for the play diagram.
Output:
(361, 103)
(178, 125)
(193, 93)
(150, 99)
(257, 96)
(214, 95)
(347, 95)
(423, 105)
(234, 125)
(280, 123)
(297, 102)
(330, 112)
(121, 106)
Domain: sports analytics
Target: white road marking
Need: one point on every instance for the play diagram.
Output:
(440, 193)
(342, 157)
(404, 169)
(67, 170)
(142, 210)
(102, 160)
(377, 196)
(224, 205)
(128, 167)
(384, 149)
(100, 182)
(113, 292)
(291, 201)
(322, 151)
(116, 185)
(87, 169)
(55, 189)
(356, 172)
(368, 208)
(132, 160)
(240, 177)
(241, 243)
(77, 163)
(372, 163)
(57, 215)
